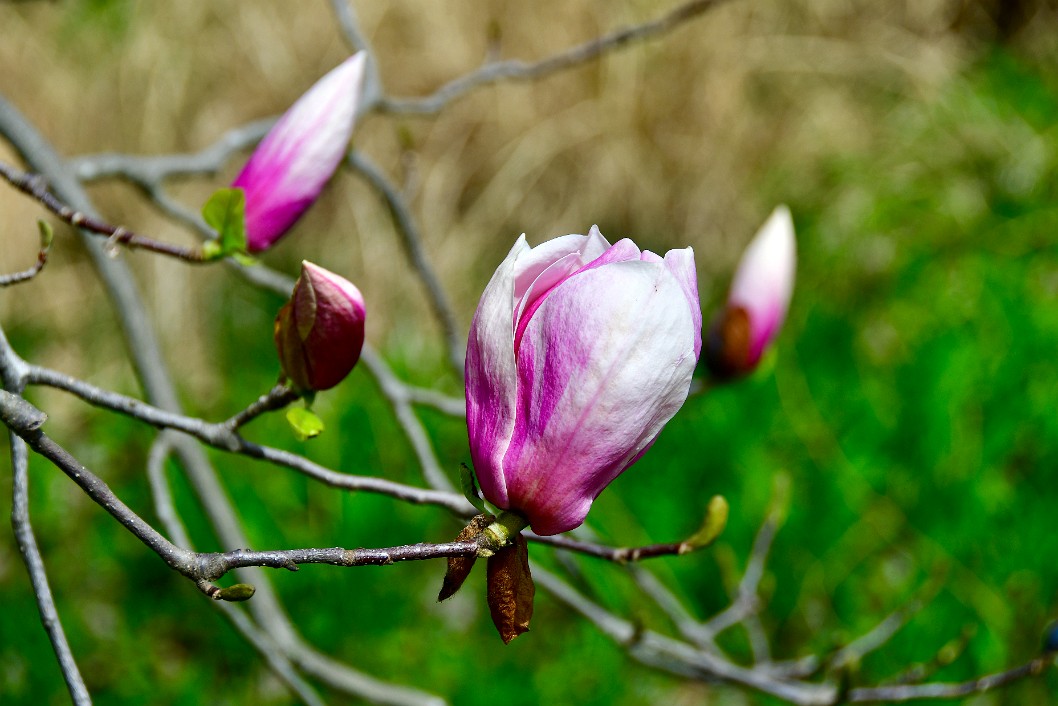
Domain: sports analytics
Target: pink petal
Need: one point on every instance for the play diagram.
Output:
(681, 265)
(319, 335)
(491, 377)
(298, 156)
(606, 360)
(763, 283)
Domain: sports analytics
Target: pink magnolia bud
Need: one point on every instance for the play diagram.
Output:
(579, 353)
(320, 331)
(759, 298)
(298, 156)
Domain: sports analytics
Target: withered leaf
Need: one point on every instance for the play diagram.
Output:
(459, 566)
(511, 589)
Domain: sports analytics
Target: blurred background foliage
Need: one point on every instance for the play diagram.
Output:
(911, 401)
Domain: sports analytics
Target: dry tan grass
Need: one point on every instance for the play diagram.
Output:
(667, 142)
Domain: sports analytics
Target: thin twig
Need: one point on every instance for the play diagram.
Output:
(953, 690)
(42, 260)
(394, 390)
(151, 170)
(25, 420)
(411, 243)
(153, 374)
(515, 70)
(348, 23)
(34, 185)
(452, 406)
(276, 398)
(881, 633)
(30, 552)
(685, 623)
(164, 506)
(11, 375)
(746, 600)
(620, 555)
(266, 647)
(758, 640)
(165, 509)
(679, 657)
(222, 437)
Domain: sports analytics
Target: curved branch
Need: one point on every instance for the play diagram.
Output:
(27, 547)
(165, 509)
(395, 391)
(11, 377)
(150, 170)
(276, 398)
(515, 70)
(955, 690)
(42, 259)
(222, 436)
(153, 374)
(35, 186)
(681, 658)
(225, 437)
(619, 555)
(411, 243)
(25, 420)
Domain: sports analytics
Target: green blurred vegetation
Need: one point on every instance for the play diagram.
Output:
(911, 402)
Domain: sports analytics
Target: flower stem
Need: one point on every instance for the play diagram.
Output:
(502, 531)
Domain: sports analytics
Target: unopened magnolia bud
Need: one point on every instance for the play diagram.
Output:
(579, 353)
(319, 333)
(298, 156)
(757, 305)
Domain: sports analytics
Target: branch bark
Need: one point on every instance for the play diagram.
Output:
(515, 70)
(11, 377)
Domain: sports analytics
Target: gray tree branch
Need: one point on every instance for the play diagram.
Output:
(153, 374)
(11, 375)
(25, 420)
(515, 70)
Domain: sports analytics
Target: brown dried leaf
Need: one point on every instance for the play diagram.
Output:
(511, 589)
(459, 566)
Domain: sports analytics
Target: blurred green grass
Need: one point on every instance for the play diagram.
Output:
(911, 403)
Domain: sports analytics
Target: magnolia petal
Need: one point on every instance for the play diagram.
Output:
(491, 377)
(681, 264)
(319, 333)
(606, 360)
(298, 156)
(549, 263)
(763, 283)
(621, 251)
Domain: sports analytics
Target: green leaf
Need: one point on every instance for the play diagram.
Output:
(46, 234)
(225, 212)
(713, 524)
(236, 593)
(469, 486)
(304, 422)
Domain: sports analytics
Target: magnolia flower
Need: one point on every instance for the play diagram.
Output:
(759, 298)
(297, 157)
(320, 331)
(579, 353)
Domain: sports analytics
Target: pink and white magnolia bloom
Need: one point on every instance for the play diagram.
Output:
(759, 299)
(319, 333)
(298, 156)
(579, 353)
